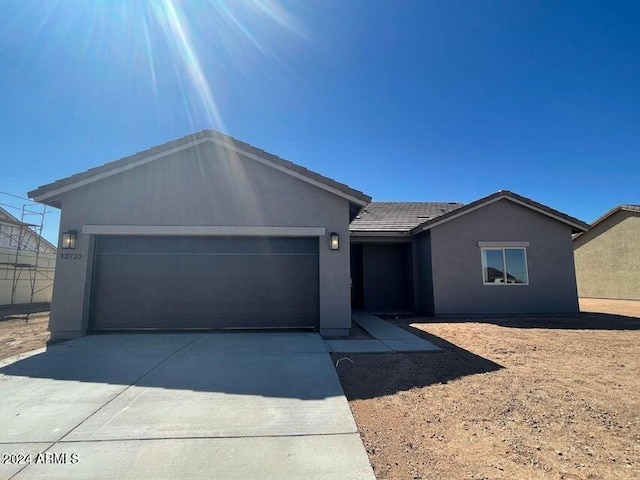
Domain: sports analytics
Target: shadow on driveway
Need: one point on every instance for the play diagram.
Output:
(285, 365)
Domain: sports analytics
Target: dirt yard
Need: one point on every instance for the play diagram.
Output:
(20, 333)
(629, 308)
(511, 398)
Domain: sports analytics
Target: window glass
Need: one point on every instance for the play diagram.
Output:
(516, 265)
(493, 268)
(504, 265)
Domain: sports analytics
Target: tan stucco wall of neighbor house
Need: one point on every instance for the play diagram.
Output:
(209, 186)
(607, 258)
(26, 284)
(456, 263)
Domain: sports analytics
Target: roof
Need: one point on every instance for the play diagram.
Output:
(48, 193)
(398, 216)
(7, 218)
(576, 225)
(614, 210)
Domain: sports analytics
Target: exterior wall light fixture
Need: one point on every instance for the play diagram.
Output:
(334, 243)
(69, 239)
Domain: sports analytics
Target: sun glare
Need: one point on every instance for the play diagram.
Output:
(173, 25)
(227, 27)
(227, 23)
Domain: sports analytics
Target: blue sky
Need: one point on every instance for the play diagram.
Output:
(405, 100)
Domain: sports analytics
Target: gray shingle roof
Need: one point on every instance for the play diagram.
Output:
(631, 208)
(398, 216)
(414, 217)
(213, 135)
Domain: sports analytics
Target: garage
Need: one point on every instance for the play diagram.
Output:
(203, 282)
(202, 232)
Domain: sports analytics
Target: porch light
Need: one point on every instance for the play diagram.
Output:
(69, 239)
(335, 241)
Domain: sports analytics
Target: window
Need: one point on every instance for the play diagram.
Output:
(504, 266)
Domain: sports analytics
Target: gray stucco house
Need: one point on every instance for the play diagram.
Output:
(607, 257)
(207, 232)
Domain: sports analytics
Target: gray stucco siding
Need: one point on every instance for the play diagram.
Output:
(204, 185)
(457, 265)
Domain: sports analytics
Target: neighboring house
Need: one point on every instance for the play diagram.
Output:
(207, 232)
(607, 257)
(27, 262)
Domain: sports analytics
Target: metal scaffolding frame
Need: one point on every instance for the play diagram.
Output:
(24, 234)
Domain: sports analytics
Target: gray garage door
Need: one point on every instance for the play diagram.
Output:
(204, 283)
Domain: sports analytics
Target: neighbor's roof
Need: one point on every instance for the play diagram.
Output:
(398, 216)
(47, 193)
(614, 210)
(576, 225)
(7, 218)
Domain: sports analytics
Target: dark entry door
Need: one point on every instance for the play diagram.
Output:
(386, 277)
(357, 287)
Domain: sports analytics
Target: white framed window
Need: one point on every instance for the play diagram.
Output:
(504, 266)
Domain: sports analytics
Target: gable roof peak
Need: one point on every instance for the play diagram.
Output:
(48, 193)
(577, 226)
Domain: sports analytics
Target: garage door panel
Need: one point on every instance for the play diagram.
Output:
(209, 293)
(210, 265)
(173, 318)
(195, 245)
(218, 285)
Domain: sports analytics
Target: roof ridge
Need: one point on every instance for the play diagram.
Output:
(428, 202)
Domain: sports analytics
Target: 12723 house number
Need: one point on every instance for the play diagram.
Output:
(71, 256)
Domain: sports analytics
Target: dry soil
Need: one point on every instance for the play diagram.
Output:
(20, 333)
(553, 397)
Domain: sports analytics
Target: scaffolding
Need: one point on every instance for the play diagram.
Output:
(27, 260)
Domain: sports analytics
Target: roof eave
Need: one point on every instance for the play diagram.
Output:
(45, 193)
(577, 226)
(610, 213)
(379, 233)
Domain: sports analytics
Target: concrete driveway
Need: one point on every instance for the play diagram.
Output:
(223, 405)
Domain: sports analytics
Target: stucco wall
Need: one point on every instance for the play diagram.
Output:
(205, 185)
(607, 258)
(31, 284)
(457, 263)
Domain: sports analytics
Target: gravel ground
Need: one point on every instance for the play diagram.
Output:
(511, 398)
(21, 333)
(629, 308)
